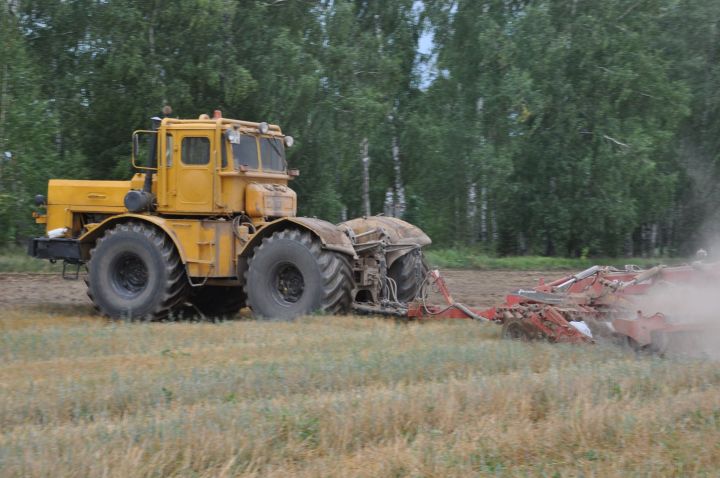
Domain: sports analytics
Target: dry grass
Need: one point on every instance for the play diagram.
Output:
(331, 396)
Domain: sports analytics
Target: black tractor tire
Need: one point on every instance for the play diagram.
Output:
(409, 273)
(290, 275)
(135, 272)
(216, 302)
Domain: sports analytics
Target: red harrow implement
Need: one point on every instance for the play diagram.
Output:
(579, 308)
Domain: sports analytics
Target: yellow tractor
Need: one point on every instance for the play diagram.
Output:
(208, 224)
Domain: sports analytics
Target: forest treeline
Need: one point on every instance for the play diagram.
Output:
(557, 127)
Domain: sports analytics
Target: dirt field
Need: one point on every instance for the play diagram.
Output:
(476, 288)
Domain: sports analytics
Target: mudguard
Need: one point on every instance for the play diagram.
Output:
(87, 239)
(332, 237)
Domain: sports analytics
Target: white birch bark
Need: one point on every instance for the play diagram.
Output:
(365, 159)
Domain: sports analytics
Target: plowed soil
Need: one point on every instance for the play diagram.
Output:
(45, 291)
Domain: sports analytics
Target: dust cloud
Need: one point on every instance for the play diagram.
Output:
(690, 305)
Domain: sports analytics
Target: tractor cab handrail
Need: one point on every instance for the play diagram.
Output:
(134, 150)
(272, 128)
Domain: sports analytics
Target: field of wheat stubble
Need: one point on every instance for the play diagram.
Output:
(337, 396)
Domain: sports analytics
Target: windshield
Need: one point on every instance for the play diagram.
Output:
(245, 152)
(273, 154)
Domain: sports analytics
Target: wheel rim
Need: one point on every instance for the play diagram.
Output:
(515, 332)
(129, 274)
(289, 284)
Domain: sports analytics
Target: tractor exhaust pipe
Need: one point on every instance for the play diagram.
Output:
(140, 201)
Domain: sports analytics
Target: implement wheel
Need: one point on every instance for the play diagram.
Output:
(290, 275)
(135, 273)
(517, 329)
(409, 272)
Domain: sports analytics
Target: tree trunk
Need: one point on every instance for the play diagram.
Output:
(472, 213)
(398, 207)
(3, 106)
(365, 158)
(484, 213)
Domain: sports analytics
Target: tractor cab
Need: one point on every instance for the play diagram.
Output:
(212, 166)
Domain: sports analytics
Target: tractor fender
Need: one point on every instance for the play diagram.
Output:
(331, 236)
(401, 235)
(89, 238)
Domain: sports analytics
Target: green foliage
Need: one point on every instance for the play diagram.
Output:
(28, 129)
(547, 127)
(15, 259)
(568, 111)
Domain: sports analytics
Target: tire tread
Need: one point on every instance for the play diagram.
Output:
(176, 285)
(335, 270)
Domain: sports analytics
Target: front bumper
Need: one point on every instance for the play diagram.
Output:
(55, 249)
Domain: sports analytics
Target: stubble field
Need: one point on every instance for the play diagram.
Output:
(336, 396)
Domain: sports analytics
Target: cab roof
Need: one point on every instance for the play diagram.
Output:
(221, 123)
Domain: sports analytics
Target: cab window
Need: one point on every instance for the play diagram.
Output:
(245, 153)
(195, 151)
(273, 154)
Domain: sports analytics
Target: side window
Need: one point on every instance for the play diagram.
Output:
(195, 151)
(245, 152)
(168, 150)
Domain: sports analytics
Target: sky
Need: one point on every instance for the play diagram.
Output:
(426, 44)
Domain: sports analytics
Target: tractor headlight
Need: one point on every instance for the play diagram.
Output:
(289, 141)
(263, 128)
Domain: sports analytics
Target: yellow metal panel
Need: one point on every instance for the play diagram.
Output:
(233, 191)
(224, 248)
(58, 216)
(185, 232)
(167, 189)
(208, 247)
(234, 185)
(195, 187)
(100, 196)
(190, 187)
(93, 209)
(164, 157)
(138, 181)
(270, 200)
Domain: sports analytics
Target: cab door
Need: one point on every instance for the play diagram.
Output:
(194, 167)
